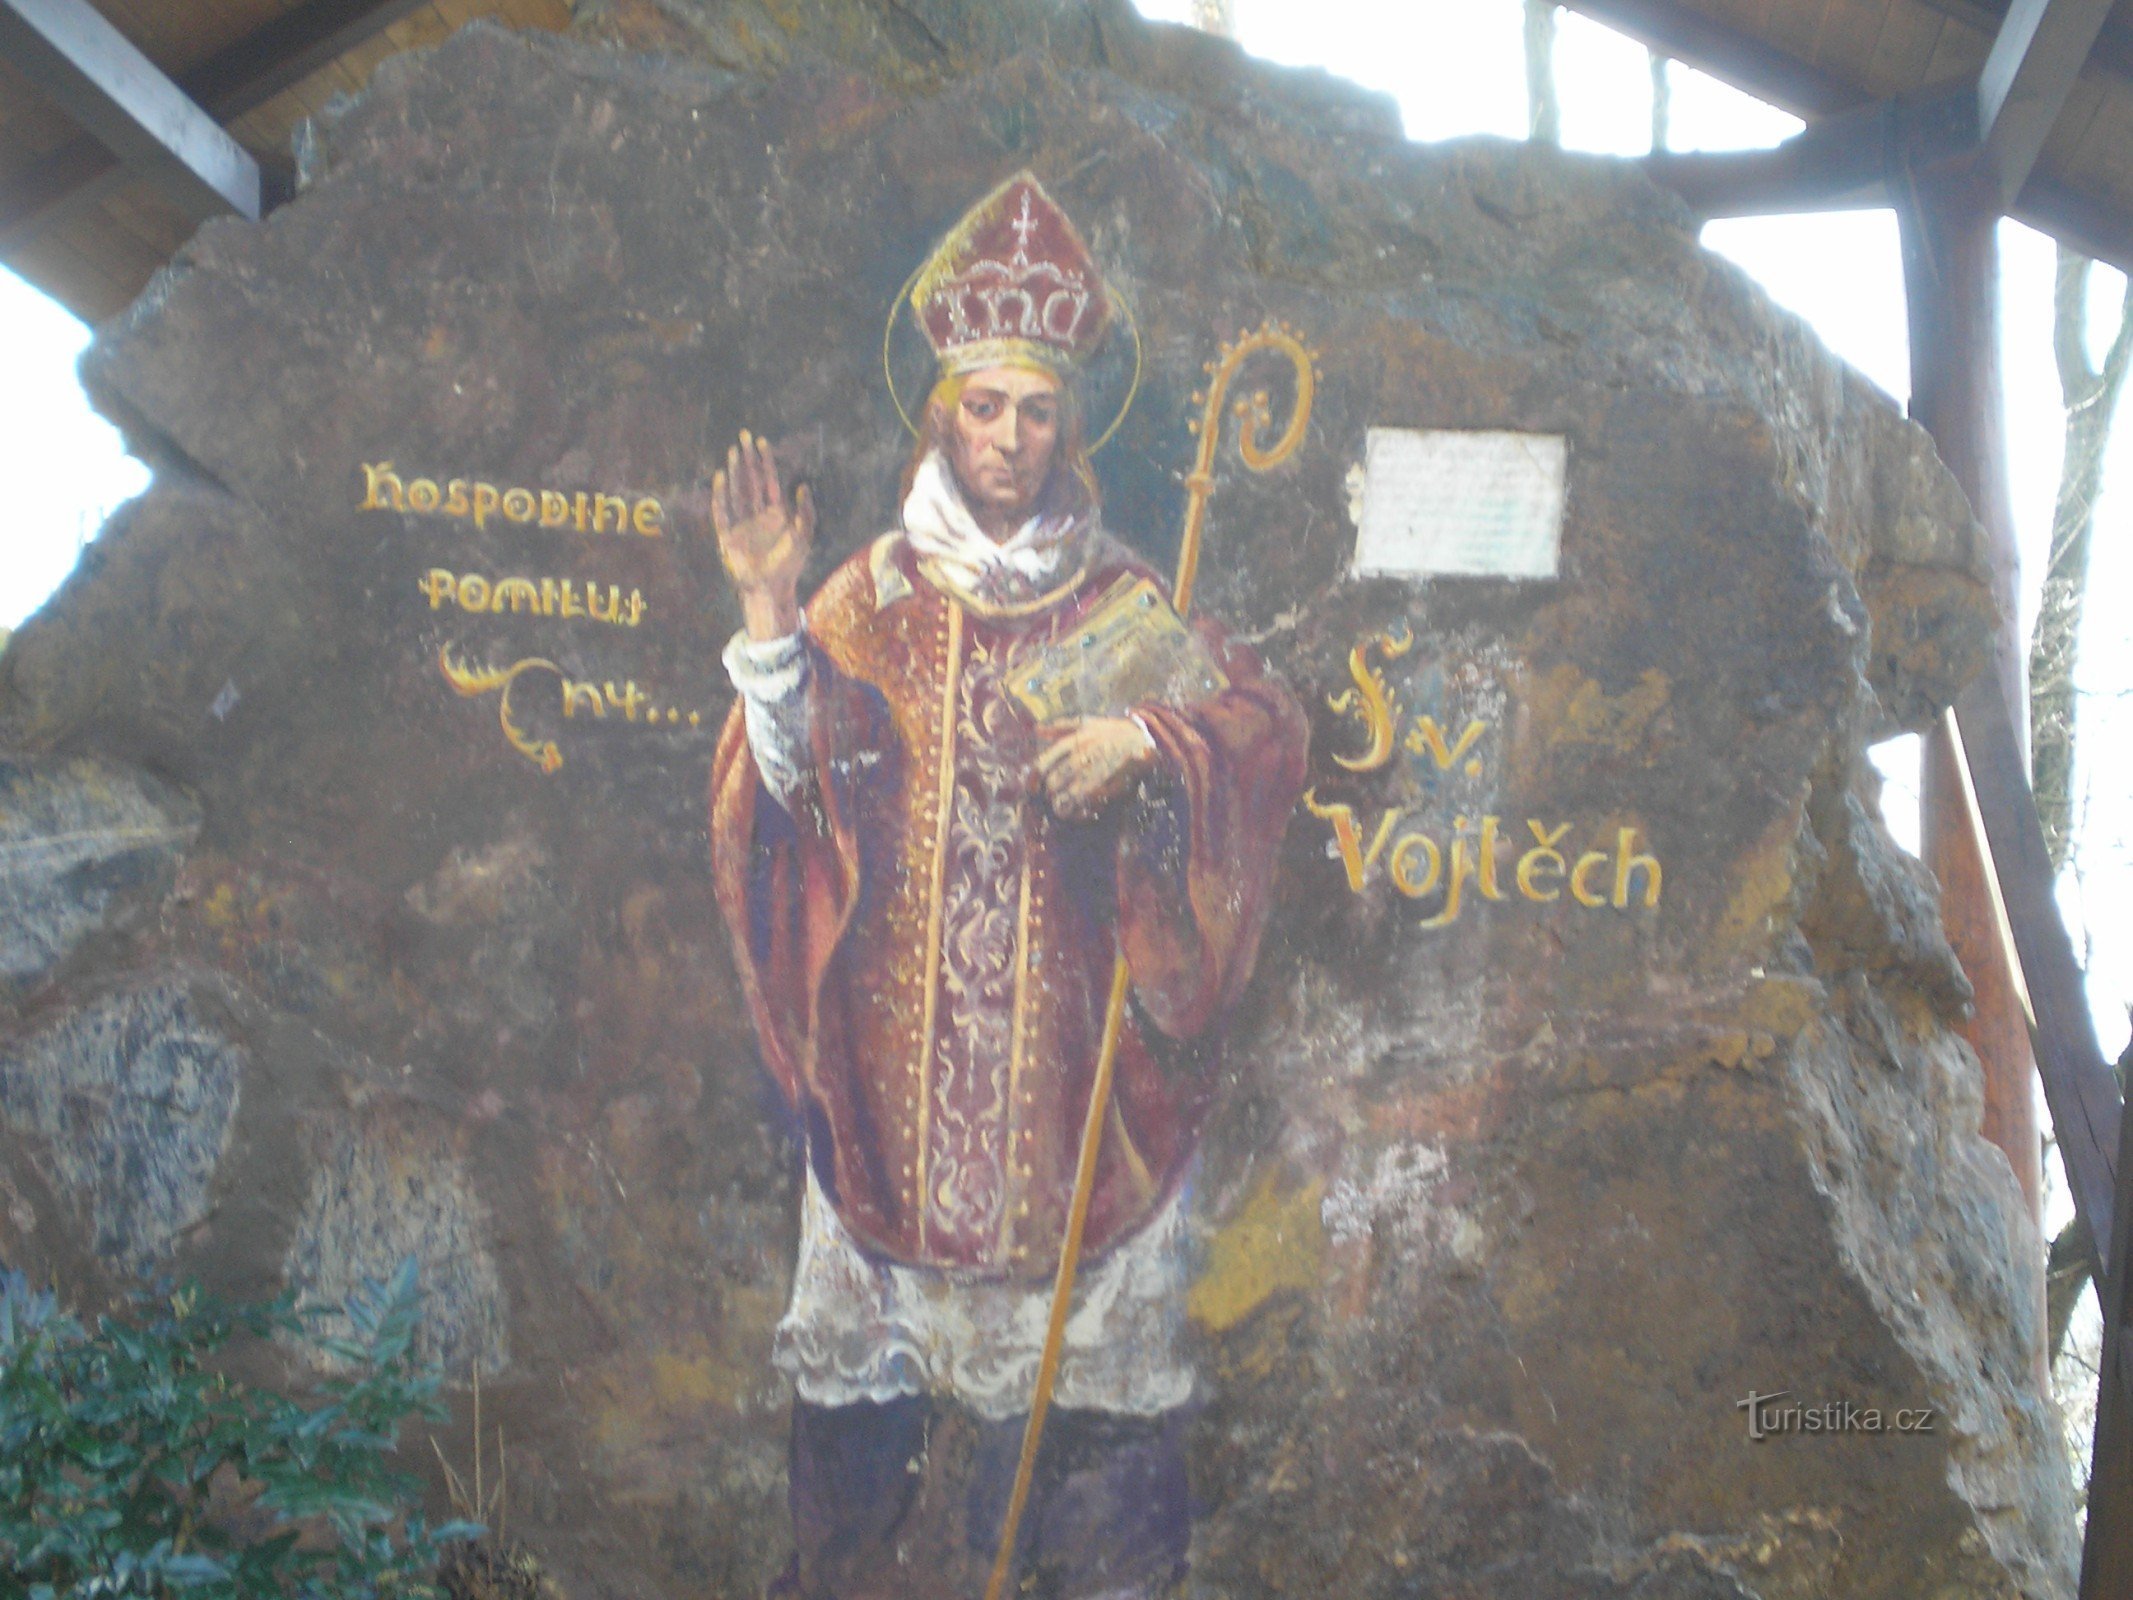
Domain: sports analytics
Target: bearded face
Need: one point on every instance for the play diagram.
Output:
(1002, 438)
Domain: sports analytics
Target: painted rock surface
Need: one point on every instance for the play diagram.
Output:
(1596, 1070)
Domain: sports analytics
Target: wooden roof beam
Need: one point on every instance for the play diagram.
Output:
(284, 52)
(2036, 56)
(227, 85)
(1726, 53)
(1837, 163)
(2113, 50)
(94, 73)
(1843, 168)
(1852, 159)
(2078, 221)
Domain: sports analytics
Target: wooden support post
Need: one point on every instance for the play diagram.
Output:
(1951, 283)
(2107, 1551)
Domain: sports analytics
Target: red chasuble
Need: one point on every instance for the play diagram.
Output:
(927, 949)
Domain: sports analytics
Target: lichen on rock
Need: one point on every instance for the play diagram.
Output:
(78, 839)
(128, 1105)
(384, 1192)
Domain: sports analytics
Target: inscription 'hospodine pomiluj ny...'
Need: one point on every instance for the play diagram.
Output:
(477, 502)
(1531, 859)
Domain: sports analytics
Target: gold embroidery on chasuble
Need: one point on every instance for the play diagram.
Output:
(911, 650)
(976, 979)
(959, 960)
(975, 1020)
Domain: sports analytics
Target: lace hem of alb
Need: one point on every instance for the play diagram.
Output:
(862, 1329)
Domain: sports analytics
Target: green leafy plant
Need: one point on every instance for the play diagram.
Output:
(131, 1464)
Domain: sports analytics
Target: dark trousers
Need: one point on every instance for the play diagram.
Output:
(905, 1500)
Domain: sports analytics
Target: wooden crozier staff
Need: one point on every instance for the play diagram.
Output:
(1254, 415)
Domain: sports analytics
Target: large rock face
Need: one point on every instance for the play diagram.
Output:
(354, 944)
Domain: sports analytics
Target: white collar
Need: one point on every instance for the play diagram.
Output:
(958, 553)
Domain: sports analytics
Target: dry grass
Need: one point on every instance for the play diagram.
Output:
(495, 1566)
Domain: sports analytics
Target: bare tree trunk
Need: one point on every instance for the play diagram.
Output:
(2066, 1274)
(1544, 112)
(2091, 395)
(1662, 101)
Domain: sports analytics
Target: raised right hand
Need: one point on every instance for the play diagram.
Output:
(763, 542)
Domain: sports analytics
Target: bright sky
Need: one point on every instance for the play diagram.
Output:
(1460, 69)
(64, 465)
(1454, 69)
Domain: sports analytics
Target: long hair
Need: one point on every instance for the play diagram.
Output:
(1069, 488)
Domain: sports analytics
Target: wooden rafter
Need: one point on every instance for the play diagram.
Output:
(2078, 221)
(288, 50)
(2112, 51)
(96, 74)
(239, 79)
(1688, 36)
(2036, 56)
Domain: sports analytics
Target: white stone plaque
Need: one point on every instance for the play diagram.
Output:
(1449, 503)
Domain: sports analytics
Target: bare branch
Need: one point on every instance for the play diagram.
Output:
(1662, 102)
(1544, 111)
(2070, 324)
(2066, 1274)
(2116, 358)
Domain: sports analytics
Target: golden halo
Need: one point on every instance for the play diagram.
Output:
(903, 300)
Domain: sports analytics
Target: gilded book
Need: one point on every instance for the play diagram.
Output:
(1131, 649)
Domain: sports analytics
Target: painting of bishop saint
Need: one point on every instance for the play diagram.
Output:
(983, 765)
